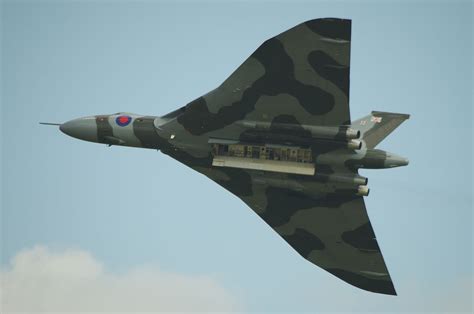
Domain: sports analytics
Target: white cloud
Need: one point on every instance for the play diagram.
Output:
(39, 279)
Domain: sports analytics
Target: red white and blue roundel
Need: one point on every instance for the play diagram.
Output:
(123, 120)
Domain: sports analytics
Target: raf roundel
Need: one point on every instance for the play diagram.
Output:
(123, 120)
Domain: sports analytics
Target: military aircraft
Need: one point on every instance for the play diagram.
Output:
(278, 134)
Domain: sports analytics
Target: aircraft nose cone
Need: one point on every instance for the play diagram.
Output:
(82, 128)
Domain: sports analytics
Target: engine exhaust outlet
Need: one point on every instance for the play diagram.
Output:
(363, 190)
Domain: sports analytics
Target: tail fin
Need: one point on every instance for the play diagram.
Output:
(377, 126)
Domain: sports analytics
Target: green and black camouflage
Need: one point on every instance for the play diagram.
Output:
(291, 96)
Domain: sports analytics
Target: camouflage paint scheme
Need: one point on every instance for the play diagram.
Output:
(299, 78)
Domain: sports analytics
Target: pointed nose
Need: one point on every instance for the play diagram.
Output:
(82, 128)
(395, 161)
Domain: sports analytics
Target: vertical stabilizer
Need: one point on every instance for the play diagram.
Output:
(377, 126)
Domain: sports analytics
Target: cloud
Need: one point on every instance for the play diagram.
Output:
(39, 279)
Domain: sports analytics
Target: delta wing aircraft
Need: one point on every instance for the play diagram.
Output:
(278, 134)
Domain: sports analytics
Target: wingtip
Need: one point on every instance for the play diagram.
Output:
(391, 291)
(331, 28)
(382, 286)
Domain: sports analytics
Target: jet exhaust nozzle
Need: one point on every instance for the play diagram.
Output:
(363, 190)
(352, 133)
(354, 144)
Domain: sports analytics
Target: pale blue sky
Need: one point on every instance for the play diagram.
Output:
(128, 207)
